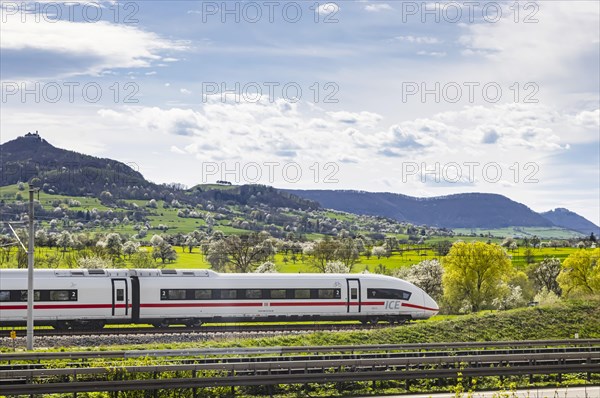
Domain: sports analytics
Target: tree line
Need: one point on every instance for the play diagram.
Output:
(468, 277)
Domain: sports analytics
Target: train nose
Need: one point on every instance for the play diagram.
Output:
(430, 304)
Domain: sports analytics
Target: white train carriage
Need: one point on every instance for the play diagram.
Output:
(92, 298)
(66, 298)
(195, 296)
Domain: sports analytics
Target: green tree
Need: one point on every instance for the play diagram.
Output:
(580, 273)
(113, 245)
(164, 251)
(324, 251)
(474, 275)
(442, 247)
(35, 183)
(142, 259)
(191, 242)
(528, 255)
(245, 252)
(347, 252)
(106, 197)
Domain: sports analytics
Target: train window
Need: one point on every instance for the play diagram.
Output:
(120, 294)
(202, 294)
(59, 295)
(4, 295)
(229, 294)
(37, 296)
(353, 293)
(302, 293)
(278, 293)
(172, 294)
(253, 293)
(390, 294)
(328, 293)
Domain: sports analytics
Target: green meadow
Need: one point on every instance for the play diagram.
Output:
(407, 255)
(303, 264)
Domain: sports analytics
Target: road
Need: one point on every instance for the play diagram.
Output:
(573, 392)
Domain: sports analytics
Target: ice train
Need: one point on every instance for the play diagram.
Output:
(90, 299)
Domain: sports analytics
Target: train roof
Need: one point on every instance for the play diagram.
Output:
(48, 273)
(204, 273)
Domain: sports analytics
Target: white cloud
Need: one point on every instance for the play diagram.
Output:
(96, 47)
(369, 119)
(176, 150)
(588, 119)
(378, 7)
(438, 54)
(185, 91)
(547, 49)
(512, 131)
(328, 9)
(418, 39)
(176, 121)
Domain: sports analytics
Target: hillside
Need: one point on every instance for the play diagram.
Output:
(61, 172)
(70, 172)
(567, 219)
(469, 210)
(58, 171)
(559, 321)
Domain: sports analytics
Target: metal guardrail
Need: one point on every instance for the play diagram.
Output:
(243, 365)
(575, 356)
(36, 356)
(312, 374)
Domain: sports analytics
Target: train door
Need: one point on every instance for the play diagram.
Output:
(353, 295)
(120, 297)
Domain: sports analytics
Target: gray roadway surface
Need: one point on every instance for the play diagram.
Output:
(573, 392)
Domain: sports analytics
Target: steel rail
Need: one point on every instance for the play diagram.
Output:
(197, 330)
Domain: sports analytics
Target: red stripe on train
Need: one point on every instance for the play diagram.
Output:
(62, 306)
(419, 307)
(335, 303)
(182, 305)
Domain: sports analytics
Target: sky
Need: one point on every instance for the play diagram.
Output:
(418, 98)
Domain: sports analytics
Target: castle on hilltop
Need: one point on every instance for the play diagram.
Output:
(34, 135)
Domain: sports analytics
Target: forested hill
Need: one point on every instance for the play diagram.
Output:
(567, 219)
(31, 159)
(469, 210)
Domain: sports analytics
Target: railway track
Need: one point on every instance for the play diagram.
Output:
(201, 368)
(198, 330)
